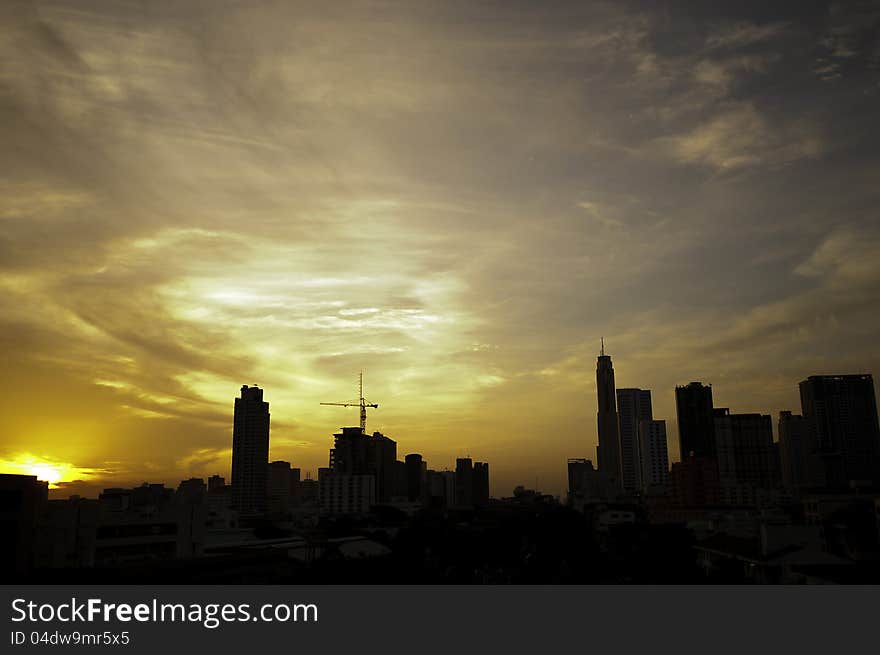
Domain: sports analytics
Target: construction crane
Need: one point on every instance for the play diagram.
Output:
(363, 404)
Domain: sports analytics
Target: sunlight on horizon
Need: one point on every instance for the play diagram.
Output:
(44, 469)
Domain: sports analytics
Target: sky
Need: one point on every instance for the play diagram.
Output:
(458, 198)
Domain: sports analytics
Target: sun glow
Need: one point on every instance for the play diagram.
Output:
(44, 469)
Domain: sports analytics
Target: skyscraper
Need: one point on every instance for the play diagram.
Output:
(464, 482)
(357, 453)
(250, 451)
(843, 438)
(696, 428)
(653, 456)
(416, 477)
(744, 449)
(633, 407)
(793, 450)
(608, 450)
(481, 484)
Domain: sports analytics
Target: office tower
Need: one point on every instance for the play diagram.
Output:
(608, 450)
(793, 450)
(400, 490)
(744, 445)
(481, 484)
(278, 487)
(577, 469)
(382, 453)
(250, 451)
(216, 483)
(633, 407)
(696, 428)
(415, 477)
(843, 435)
(464, 482)
(654, 456)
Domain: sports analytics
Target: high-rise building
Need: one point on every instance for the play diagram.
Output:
(250, 451)
(416, 478)
(653, 456)
(696, 427)
(481, 484)
(744, 449)
(633, 407)
(357, 453)
(382, 453)
(793, 450)
(608, 449)
(842, 428)
(23, 500)
(464, 482)
(279, 487)
(441, 488)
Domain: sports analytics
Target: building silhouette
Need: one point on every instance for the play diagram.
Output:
(481, 484)
(587, 485)
(346, 493)
(608, 448)
(843, 438)
(441, 488)
(192, 490)
(633, 407)
(23, 499)
(464, 482)
(653, 457)
(357, 453)
(250, 451)
(416, 478)
(744, 449)
(695, 483)
(792, 430)
(282, 487)
(696, 426)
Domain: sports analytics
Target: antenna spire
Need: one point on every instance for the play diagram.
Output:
(602, 346)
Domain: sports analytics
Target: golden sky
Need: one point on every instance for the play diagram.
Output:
(457, 198)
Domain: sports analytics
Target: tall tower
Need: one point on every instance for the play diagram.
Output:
(250, 451)
(696, 423)
(608, 450)
(633, 407)
(843, 437)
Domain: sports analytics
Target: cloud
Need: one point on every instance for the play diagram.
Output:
(457, 199)
(745, 34)
(739, 137)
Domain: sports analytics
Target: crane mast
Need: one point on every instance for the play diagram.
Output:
(361, 402)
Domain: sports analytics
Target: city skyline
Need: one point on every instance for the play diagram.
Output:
(459, 200)
(251, 431)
